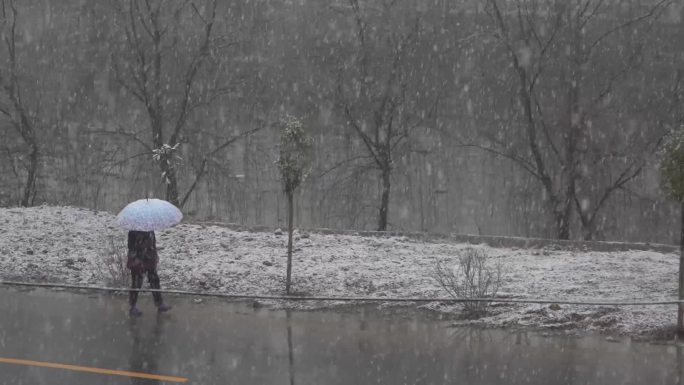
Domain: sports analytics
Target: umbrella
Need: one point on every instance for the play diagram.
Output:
(148, 215)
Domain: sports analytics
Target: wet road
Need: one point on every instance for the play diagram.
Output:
(215, 342)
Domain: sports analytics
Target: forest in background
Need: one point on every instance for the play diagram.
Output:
(535, 118)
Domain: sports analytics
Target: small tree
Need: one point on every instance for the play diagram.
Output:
(672, 173)
(293, 164)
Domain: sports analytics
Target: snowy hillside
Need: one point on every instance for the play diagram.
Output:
(65, 244)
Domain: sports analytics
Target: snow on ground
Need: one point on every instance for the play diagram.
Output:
(70, 245)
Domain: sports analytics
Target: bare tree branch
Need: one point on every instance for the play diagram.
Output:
(525, 164)
(191, 73)
(661, 4)
(540, 167)
(122, 132)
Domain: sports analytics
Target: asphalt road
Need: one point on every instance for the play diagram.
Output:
(69, 338)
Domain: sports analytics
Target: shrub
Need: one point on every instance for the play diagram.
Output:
(112, 264)
(472, 277)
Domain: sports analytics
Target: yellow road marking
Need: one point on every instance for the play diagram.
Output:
(93, 370)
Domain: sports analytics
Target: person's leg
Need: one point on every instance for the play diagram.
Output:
(136, 283)
(153, 279)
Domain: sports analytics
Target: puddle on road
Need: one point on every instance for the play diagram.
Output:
(215, 342)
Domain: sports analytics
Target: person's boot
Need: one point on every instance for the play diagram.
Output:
(135, 312)
(163, 308)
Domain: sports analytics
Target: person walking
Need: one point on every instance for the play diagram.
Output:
(142, 259)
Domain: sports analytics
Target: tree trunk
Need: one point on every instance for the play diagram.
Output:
(169, 174)
(172, 188)
(290, 228)
(574, 127)
(680, 307)
(165, 160)
(588, 222)
(384, 200)
(30, 187)
(588, 233)
(562, 223)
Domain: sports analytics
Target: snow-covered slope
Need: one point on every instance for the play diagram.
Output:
(66, 244)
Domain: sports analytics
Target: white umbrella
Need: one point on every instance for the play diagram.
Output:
(148, 215)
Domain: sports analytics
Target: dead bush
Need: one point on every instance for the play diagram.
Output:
(472, 276)
(112, 264)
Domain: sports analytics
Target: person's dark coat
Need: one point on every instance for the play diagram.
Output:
(142, 251)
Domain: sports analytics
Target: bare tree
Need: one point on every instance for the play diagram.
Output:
(564, 90)
(172, 71)
(13, 103)
(377, 92)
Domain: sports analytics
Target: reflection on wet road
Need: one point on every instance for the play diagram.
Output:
(215, 342)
